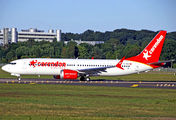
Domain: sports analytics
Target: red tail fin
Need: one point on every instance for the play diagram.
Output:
(152, 51)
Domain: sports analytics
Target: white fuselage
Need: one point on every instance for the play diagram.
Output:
(47, 66)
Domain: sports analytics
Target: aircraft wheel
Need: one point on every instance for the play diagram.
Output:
(19, 79)
(82, 78)
(87, 79)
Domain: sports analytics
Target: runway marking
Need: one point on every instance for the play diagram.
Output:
(165, 85)
(134, 85)
(31, 83)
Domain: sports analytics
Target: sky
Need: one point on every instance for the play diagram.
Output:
(77, 16)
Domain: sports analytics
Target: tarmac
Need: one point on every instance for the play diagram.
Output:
(107, 83)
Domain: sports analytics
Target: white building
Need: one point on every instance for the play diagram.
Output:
(88, 42)
(13, 36)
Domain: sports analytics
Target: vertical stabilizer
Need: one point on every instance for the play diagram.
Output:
(152, 51)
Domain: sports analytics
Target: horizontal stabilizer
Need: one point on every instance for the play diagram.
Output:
(155, 63)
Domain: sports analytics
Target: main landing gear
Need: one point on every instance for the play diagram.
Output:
(19, 78)
(85, 78)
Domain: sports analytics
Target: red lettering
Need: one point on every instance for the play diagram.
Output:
(33, 63)
(64, 64)
(56, 63)
(48, 63)
(52, 64)
(60, 64)
(39, 64)
(45, 64)
(42, 64)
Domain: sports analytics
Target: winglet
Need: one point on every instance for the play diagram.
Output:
(119, 64)
(92, 58)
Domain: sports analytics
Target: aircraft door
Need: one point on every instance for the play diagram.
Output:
(137, 67)
(24, 64)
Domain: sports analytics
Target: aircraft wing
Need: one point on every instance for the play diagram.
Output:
(97, 70)
(93, 71)
(155, 63)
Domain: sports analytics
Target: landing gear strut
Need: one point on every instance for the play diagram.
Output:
(17, 75)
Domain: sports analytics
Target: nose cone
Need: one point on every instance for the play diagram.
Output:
(5, 68)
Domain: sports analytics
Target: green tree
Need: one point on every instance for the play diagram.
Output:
(131, 50)
(97, 53)
(70, 51)
(55, 40)
(88, 35)
(117, 54)
(21, 51)
(88, 50)
(109, 55)
(174, 65)
(63, 53)
(82, 52)
(58, 48)
(31, 42)
(3, 53)
(9, 56)
(38, 52)
(168, 51)
(3, 60)
(47, 50)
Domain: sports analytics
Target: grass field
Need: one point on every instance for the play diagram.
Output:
(150, 76)
(48, 102)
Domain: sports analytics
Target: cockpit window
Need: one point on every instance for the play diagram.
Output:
(12, 63)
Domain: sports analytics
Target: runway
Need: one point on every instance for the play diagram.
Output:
(108, 83)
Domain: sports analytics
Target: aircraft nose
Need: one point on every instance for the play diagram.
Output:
(5, 68)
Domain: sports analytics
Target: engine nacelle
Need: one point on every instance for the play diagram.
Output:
(67, 74)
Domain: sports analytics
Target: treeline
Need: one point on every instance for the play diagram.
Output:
(118, 43)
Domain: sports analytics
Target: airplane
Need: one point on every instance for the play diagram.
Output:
(147, 60)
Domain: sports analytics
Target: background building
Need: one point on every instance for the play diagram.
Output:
(88, 42)
(13, 36)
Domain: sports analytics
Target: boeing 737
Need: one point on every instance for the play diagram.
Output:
(147, 60)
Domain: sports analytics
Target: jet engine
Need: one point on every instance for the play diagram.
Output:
(56, 76)
(67, 74)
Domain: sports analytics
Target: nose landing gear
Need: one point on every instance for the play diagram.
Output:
(18, 76)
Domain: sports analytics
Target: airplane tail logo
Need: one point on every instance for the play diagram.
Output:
(152, 51)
